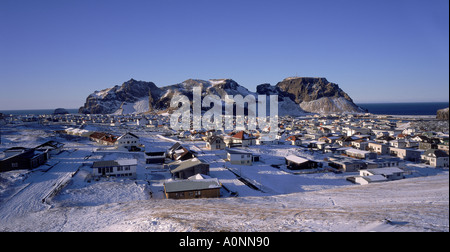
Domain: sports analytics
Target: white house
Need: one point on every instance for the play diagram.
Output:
(128, 141)
(364, 180)
(390, 173)
(267, 140)
(435, 158)
(115, 168)
(239, 157)
(215, 143)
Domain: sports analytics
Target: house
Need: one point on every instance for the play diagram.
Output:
(103, 138)
(345, 141)
(239, 157)
(196, 186)
(155, 157)
(379, 148)
(406, 154)
(115, 168)
(390, 173)
(215, 142)
(297, 163)
(435, 158)
(267, 140)
(128, 141)
(51, 147)
(239, 139)
(18, 158)
(187, 168)
(364, 180)
(383, 162)
(360, 154)
(178, 152)
(343, 164)
(398, 143)
(294, 140)
(329, 139)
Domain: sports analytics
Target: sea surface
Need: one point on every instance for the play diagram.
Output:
(35, 111)
(411, 108)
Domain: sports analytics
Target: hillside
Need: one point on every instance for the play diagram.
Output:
(414, 204)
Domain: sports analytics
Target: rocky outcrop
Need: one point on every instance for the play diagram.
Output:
(315, 95)
(295, 96)
(109, 100)
(442, 114)
(60, 111)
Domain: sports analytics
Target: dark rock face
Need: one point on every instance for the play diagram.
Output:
(315, 95)
(443, 114)
(109, 100)
(308, 89)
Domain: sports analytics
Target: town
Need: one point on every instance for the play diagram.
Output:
(136, 157)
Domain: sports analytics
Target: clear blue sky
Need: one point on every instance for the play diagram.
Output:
(54, 53)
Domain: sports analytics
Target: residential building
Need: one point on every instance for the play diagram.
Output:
(294, 162)
(19, 158)
(215, 142)
(115, 168)
(192, 188)
(187, 168)
(406, 154)
(239, 157)
(436, 158)
(128, 141)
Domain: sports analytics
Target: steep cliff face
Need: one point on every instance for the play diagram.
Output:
(443, 114)
(295, 96)
(109, 100)
(315, 95)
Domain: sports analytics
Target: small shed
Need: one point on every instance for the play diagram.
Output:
(190, 189)
(297, 163)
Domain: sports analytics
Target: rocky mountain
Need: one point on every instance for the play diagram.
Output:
(315, 95)
(296, 96)
(112, 100)
(442, 114)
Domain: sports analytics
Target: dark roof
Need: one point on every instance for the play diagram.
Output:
(174, 147)
(435, 152)
(186, 164)
(99, 164)
(235, 151)
(128, 133)
(191, 185)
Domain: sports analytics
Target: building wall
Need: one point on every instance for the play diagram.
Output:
(240, 159)
(207, 193)
(116, 171)
(186, 173)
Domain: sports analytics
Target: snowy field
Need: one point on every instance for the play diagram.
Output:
(59, 196)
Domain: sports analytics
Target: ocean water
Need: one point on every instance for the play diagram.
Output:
(411, 108)
(35, 112)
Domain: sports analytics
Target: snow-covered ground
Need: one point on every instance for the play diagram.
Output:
(282, 200)
(416, 204)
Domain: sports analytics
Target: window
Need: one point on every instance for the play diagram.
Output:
(14, 165)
